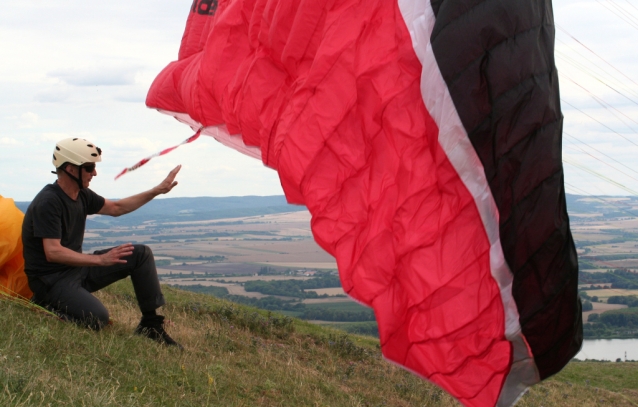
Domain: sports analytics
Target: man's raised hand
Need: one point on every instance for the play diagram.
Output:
(168, 183)
(116, 255)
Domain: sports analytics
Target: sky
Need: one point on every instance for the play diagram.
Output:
(77, 68)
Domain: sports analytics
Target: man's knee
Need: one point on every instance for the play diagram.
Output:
(142, 252)
(95, 319)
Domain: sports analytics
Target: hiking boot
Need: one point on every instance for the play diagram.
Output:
(153, 328)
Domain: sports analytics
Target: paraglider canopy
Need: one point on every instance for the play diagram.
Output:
(425, 140)
(13, 281)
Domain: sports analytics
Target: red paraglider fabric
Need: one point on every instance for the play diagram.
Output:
(346, 101)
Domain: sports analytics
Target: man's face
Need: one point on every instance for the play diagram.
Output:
(88, 172)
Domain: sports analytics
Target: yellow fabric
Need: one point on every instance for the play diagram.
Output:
(13, 281)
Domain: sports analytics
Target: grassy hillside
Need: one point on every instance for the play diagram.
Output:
(236, 356)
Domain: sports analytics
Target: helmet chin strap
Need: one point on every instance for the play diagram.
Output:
(78, 180)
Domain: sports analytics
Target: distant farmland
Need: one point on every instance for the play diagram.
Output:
(216, 268)
(204, 248)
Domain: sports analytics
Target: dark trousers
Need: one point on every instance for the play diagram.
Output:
(69, 292)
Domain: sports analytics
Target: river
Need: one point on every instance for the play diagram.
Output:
(609, 349)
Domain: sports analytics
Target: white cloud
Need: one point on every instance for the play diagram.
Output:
(53, 137)
(52, 96)
(8, 141)
(599, 93)
(28, 120)
(142, 145)
(131, 94)
(97, 75)
(82, 69)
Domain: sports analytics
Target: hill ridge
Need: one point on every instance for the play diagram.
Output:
(181, 209)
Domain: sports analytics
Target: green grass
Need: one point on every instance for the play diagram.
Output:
(293, 314)
(368, 328)
(617, 376)
(236, 356)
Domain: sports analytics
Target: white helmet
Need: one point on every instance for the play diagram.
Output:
(76, 151)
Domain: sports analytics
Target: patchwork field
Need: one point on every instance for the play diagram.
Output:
(252, 249)
(325, 301)
(203, 269)
(600, 307)
(233, 289)
(281, 241)
(604, 294)
(266, 278)
(303, 265)
(329, 291)
(232, 251)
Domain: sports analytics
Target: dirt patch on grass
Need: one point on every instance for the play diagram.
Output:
(326, 300)
(328, 291)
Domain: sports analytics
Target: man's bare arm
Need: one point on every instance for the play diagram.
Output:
(56, 253)
(126, 205)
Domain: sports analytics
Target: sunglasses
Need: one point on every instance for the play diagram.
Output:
(88, 168)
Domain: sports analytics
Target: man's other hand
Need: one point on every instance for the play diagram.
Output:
(116, 255)
(169, 183)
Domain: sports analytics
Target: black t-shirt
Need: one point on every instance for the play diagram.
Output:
(54, 215)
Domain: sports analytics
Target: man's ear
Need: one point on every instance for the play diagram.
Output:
(70, 168)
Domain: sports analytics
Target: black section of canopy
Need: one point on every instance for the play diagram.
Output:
(497, 58)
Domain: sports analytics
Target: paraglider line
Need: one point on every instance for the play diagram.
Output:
(8, 294)
(588, 49)
(606, 163)
(585, 193)
(165, 151)
(604, 125)
(594, 75)
(620, 15)
(604, 104)
(594, 173)
(598, 151)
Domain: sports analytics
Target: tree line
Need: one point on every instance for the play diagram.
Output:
(630, 301)
(294, 288)
(619, 278)
(612, 324)
(277, 304)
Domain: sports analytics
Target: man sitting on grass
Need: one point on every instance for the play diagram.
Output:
(61, 277)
